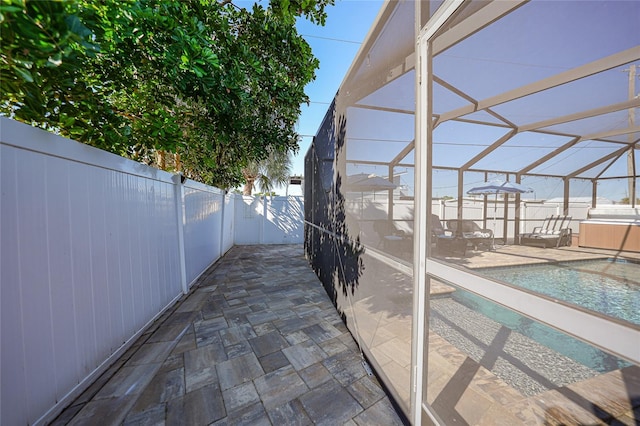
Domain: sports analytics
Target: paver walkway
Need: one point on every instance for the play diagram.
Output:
(257, 342)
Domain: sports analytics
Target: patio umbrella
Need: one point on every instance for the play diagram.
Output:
(498, 187)
(363, 182)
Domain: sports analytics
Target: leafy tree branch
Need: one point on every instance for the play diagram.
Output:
(219, 85)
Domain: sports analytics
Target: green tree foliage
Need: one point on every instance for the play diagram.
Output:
(268, 173)
(44, 46)
(220, 85)
(627, 200)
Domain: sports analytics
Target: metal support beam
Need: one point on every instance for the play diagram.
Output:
(611, 133)
(565, 203)
(631, 171)
(463, 95)
(505, 216)
(385, 109)
(489, 149)
(390, 196)
(405, 151)
(423, 198)
(631, 156)
(516, 222)
(614, 155)
(581, 115)
(595, 67)
(460, 193)
(485, 205)
(483, 17)
(549, 156)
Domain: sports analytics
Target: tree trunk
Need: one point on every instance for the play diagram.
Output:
(248, 186)
(160, 159)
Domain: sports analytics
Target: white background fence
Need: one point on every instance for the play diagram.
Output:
(276, 220)
(93, 248)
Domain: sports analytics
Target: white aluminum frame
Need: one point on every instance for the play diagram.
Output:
(616, 337)
(422, 205)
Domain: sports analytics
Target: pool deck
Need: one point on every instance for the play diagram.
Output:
(515, 255)
(610, 398)
(465, 383)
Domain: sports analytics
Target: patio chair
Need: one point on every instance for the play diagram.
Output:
(472, 233)
(390, 236)
(445, 240)
(554, 232)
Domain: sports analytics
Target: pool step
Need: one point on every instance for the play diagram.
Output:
(439, 289)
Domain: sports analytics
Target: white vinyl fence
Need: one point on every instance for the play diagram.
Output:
(269, 220)
(93, 248)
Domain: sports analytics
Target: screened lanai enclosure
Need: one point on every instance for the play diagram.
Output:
(471, 207)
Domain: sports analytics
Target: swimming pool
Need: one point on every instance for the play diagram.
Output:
(564, 344)
(608, 286)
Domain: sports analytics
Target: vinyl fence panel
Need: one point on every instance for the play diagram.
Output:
(88, 258)
(202, 227)
(93, 248)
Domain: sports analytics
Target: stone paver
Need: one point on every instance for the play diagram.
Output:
(256, 342)
(304, 354)
(291, 413)
(239, 370)
(280, 386)
(241, 396)
(268, 343)
(342, 405)
(200, 367)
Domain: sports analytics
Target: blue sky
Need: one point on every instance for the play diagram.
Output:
(349, 21)
(335, 45)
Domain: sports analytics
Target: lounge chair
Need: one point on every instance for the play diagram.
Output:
(390, 237)
(554, 232)
(446, 240)
(472, 233)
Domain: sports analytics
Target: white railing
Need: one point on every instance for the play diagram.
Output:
(93, 248)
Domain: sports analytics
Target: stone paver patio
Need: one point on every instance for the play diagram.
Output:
(256, 342)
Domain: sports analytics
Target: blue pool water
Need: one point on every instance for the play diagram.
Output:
(564, 344)
(609, 286)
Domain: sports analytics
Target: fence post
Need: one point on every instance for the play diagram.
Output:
(263, 222)
(224, 202)
(178, 180)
